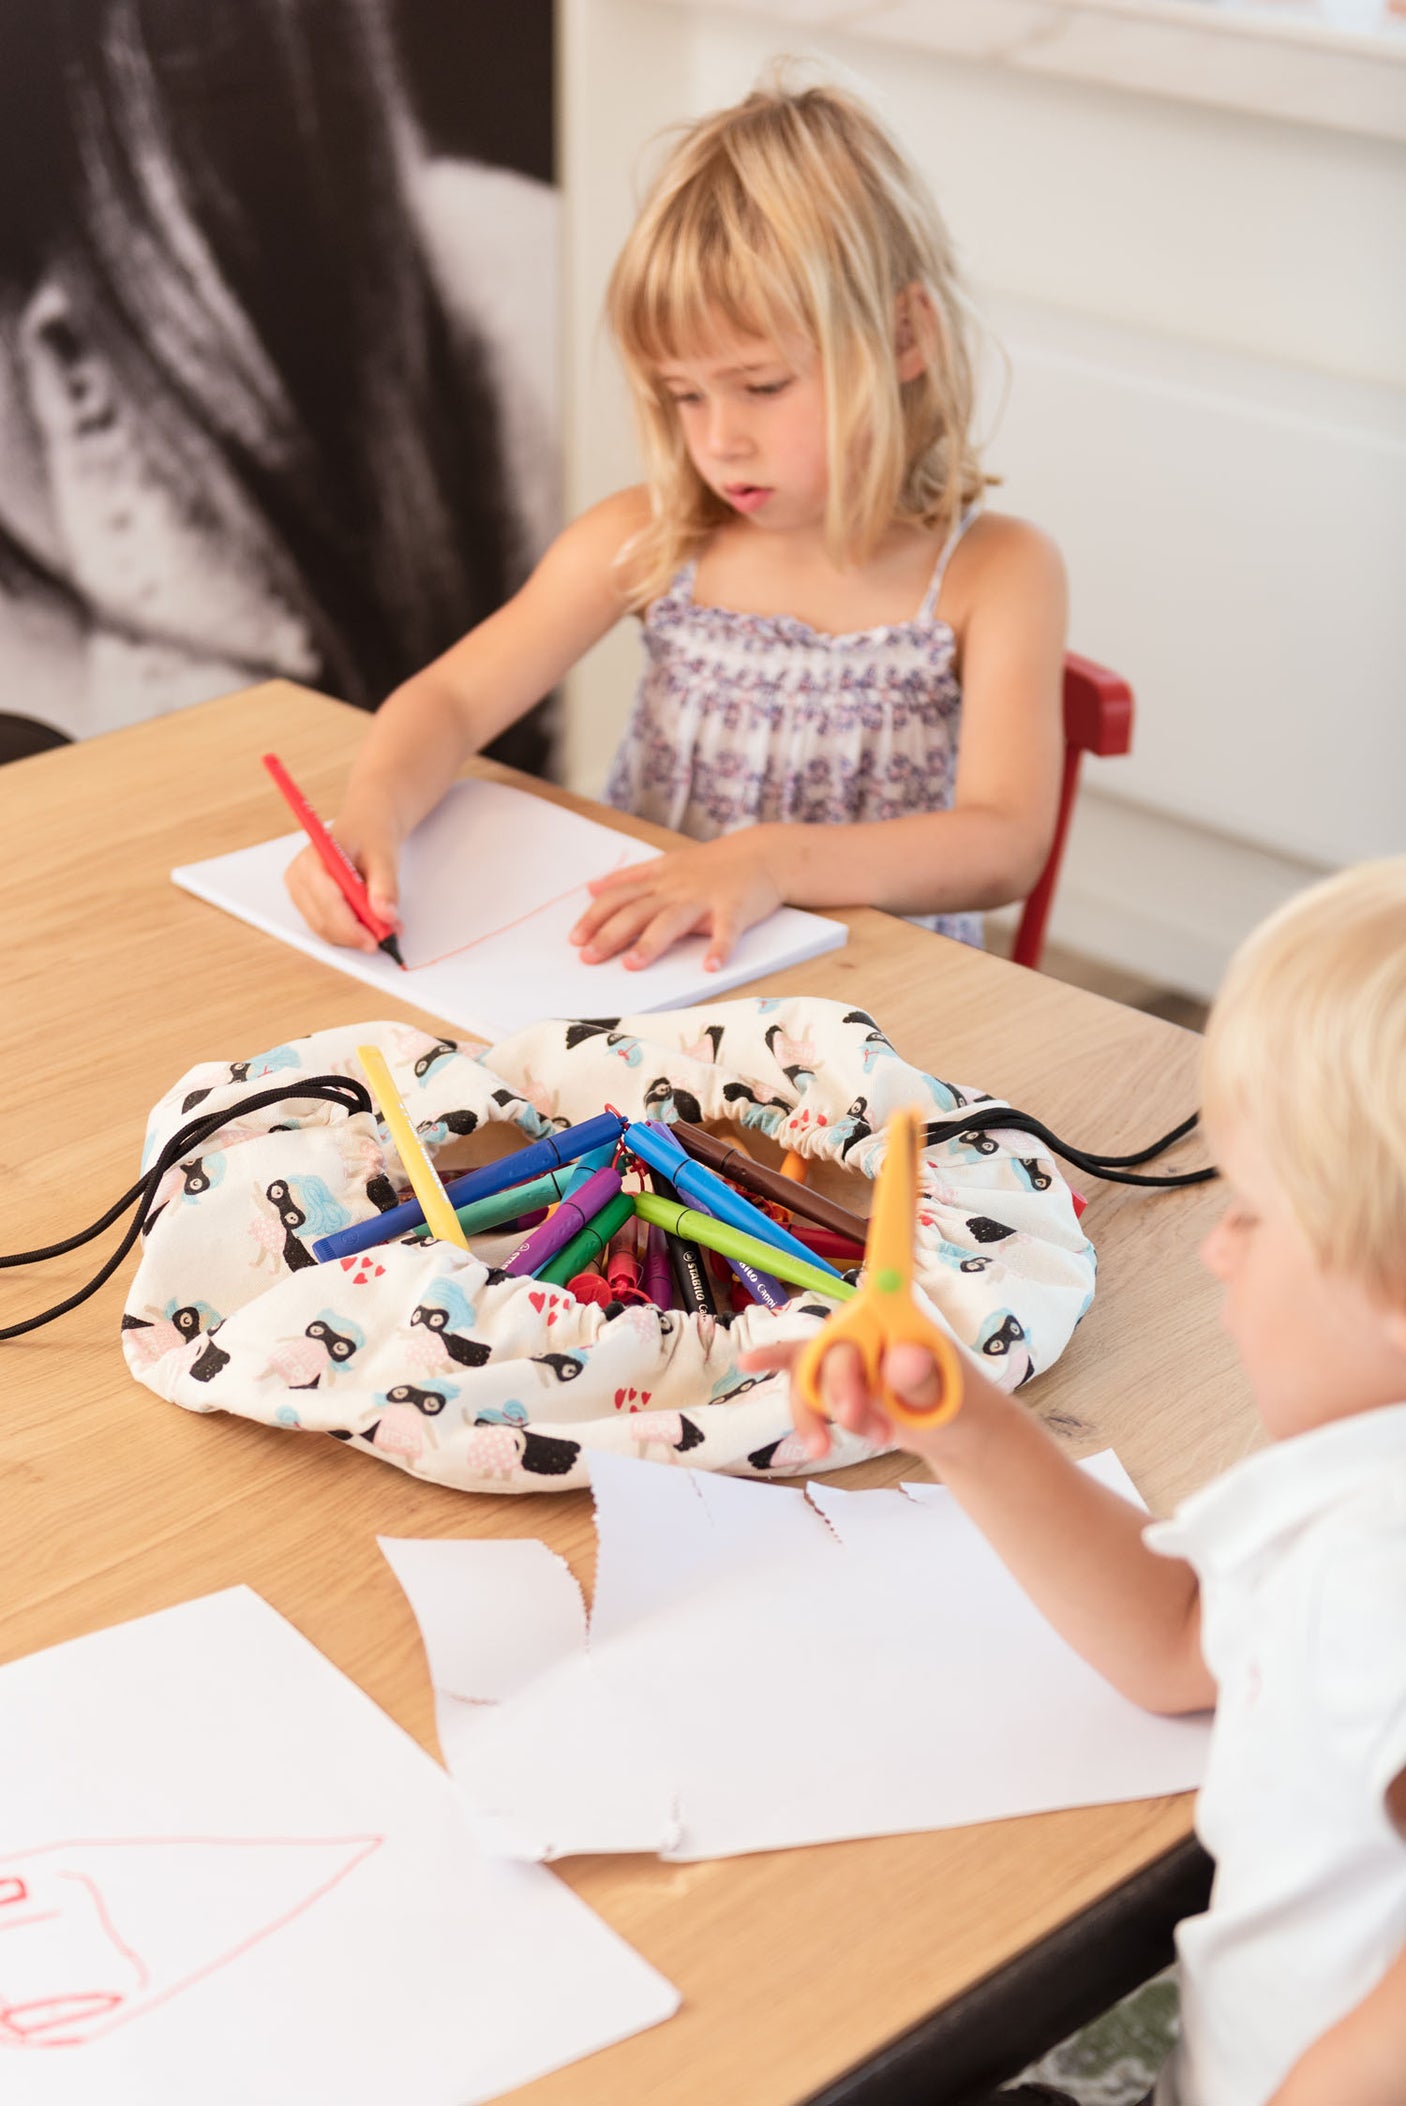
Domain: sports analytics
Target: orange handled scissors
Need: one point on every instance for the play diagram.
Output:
(884, 1313)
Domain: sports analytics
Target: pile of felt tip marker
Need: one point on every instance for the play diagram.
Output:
(636, 1212)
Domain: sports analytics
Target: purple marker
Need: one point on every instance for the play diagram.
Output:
(658, 1273)
(568, 1221)
(760, 1285)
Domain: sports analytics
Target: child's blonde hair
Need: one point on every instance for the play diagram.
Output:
(794, 214)
(1307, 1043)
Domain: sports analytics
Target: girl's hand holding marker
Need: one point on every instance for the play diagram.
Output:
(821, 605)
(322, 902)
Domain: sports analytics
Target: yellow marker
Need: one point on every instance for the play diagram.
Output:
(424, 1178)
(794, 1167)
(884, 1313)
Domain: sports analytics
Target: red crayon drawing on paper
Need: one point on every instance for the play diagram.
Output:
(95, 1933)
(488, 935)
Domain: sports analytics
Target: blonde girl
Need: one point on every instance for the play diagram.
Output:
(824, 605)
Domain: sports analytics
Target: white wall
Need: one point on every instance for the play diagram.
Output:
(1205, 315)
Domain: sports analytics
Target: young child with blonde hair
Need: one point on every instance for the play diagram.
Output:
(824, 604)
(1277, 1593)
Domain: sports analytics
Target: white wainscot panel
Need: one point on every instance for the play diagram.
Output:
(1235, 533)
(1164, 900)
(1303, 62)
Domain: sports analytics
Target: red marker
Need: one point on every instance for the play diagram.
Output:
(337, 863)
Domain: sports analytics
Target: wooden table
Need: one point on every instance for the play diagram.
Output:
(797, 1966)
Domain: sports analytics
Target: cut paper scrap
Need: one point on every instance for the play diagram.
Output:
(494, 1672)
(226, 1876)
(766, 1667)
(491, 884)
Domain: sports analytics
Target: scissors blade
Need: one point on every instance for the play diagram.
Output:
(888, 1257)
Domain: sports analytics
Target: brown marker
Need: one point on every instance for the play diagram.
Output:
(754, 1177)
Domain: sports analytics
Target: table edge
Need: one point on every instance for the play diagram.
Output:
(996, 2028)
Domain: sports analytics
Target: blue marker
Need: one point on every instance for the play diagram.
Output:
(655, 1145)
(564, 1147)
(598, 1159)
(760, 1285)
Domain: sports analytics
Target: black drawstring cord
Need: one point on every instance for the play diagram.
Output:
(332, 1089)
(1145, 1155)
(58, 1250)
(1112, 1168)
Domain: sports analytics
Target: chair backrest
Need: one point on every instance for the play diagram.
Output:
(1098, 718)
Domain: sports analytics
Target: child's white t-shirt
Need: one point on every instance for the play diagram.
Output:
(1301, 1555)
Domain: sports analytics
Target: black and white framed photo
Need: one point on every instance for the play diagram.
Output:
(278, 346)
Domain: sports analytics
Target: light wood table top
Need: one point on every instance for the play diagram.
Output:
(793, 1965)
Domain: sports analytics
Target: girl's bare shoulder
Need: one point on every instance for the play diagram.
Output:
(1007, 601)
(608, 526)
(1001, 558)
(587, 552)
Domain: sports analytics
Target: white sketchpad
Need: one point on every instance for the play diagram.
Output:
(766, 1667)
(226, 1876)
(491, 883)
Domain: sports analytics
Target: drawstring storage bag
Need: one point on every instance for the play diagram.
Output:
(430, 1358)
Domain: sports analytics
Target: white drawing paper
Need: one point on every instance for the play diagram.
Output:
(786, 1666)
(491, 883)
(226, 1876)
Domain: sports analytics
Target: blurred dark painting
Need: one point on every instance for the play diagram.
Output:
(278, 360)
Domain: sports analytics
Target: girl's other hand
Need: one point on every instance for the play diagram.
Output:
(322, 903)
(716, 889)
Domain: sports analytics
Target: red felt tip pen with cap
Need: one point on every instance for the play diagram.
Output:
(335, 861)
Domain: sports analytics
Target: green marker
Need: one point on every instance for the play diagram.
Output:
(731, 1243)
(588, 1243)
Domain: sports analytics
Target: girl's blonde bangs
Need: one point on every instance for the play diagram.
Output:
(704, 271)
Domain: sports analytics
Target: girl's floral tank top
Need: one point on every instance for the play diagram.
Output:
(744, 718)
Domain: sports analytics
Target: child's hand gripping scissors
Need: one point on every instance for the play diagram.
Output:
(884, 1313)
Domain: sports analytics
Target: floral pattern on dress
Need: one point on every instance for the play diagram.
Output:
(746, 718)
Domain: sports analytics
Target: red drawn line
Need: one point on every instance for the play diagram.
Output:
(488, 935)
(8, 2037)
(23, 1922)
(110, 1927)
(61, 2011)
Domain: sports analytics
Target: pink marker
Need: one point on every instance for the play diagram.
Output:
(658, 1273)
(623, 1270)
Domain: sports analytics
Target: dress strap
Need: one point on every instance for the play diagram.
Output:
(677, 593)
(925, 612)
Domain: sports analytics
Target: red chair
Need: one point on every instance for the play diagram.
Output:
(1098, 718)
